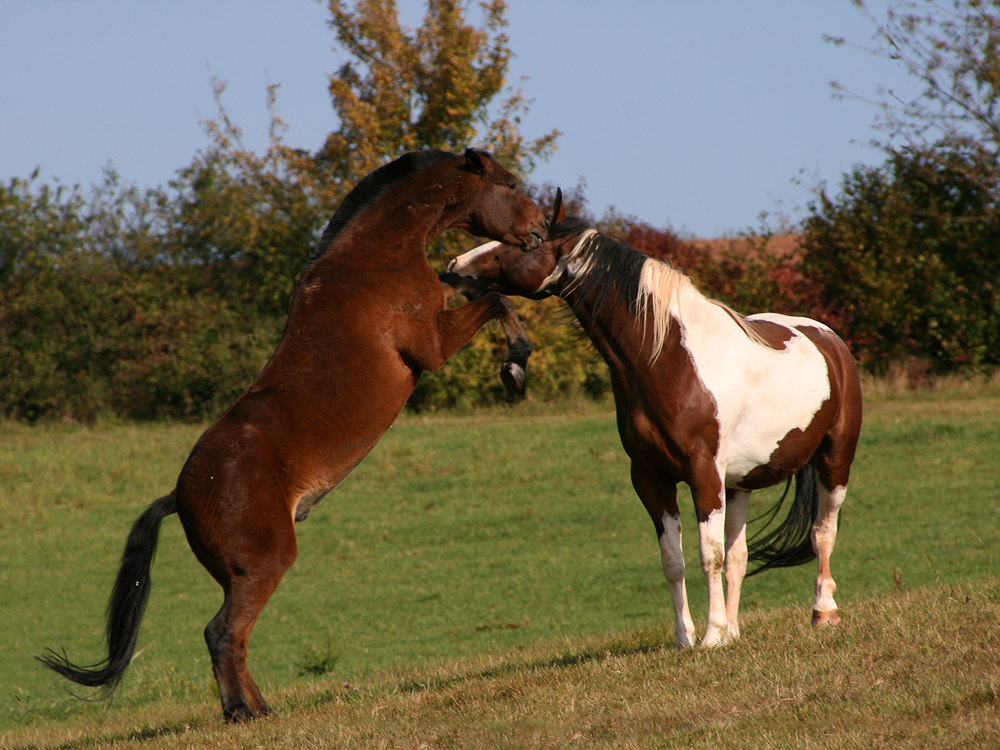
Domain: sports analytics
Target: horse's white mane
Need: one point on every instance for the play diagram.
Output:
(660, 289)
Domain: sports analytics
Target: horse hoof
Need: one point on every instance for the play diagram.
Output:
(829, 617)
(243, 713)
(239, 716)
(512, 376)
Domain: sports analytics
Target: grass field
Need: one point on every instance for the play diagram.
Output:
(505, 554)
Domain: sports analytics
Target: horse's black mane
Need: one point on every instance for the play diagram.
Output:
(612, 264)
(372, 186)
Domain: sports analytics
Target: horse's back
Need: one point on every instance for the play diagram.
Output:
(842, 369)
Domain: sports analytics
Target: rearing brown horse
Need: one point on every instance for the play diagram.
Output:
(704, 396)
(367, 318)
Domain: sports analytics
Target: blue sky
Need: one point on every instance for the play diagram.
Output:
(697, 116)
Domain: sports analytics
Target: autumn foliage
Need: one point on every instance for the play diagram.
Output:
(165, 302)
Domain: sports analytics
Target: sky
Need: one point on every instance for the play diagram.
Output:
(697, 116)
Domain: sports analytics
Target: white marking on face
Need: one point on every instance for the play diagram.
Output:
(761, 394)
(457, 265)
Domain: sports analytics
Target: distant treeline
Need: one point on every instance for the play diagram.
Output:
(165, 303)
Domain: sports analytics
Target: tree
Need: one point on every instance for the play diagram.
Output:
(908, 258)
(908, 254)
(952, 49)
(252, 220)
(249, 221)
(165, 302)
(404, 90)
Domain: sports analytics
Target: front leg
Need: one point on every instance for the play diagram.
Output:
(458, 325)
(658, 493)
(470, 288)
(709, 501)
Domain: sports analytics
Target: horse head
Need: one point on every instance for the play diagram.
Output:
(494, 205)
(531, 272)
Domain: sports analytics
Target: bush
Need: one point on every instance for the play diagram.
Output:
(97, 319)
(908, 256)
(88, 341)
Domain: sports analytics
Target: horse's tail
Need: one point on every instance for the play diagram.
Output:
(790, 543)
(126, 607)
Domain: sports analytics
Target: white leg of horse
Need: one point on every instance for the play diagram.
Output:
(673, 568)
(736, 556)
(711, 533)
(824, 534)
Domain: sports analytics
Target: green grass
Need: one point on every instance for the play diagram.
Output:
(462, 539)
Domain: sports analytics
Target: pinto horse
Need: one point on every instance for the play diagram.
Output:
(724, 403)
(367, 317)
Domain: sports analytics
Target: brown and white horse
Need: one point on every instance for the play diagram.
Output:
(367, 318)
(724, 403)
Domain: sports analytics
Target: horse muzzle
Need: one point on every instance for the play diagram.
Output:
(535, 239)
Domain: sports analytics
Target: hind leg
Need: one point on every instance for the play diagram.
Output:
(824, 535)
(248, 553)
(228, 638)
(254, 569)
(833, 467)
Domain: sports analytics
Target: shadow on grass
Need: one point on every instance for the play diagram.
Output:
(633, 643)
(124, 736)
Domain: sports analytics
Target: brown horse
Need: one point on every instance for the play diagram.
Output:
(724, 403)
(367, 318)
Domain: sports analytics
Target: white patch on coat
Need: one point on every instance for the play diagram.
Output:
(761, 394)
(660, 286)
(789, 321)
(712, 538)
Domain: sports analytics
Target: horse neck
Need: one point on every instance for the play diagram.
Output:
(626, 326)
(401, 222)
(406, 229)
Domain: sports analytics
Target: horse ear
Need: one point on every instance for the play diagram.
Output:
(558, 209)
(475, 161)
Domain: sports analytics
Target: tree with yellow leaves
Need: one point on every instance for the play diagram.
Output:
(251, 220)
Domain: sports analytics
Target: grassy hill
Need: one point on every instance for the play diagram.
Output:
(912, 669)
(492, 581)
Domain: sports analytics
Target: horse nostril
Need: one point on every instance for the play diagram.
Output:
(535, 238)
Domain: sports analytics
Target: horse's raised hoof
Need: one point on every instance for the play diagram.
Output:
(512, 376)
(829, 617)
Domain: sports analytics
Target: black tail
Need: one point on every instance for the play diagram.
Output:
(125, 610)
(789, 544)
